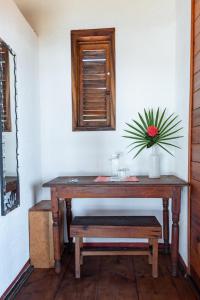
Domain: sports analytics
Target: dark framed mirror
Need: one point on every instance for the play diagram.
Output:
(9, 165)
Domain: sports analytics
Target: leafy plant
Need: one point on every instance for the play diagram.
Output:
(153, 128)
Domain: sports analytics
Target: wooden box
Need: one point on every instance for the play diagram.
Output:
(41, 234)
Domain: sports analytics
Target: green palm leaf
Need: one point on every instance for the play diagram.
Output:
(166, 123)
(152, 117)
(142, 148)
(167, 128)
(139, 125)
(133, 133)
(173, 138)
(143, 144)
(147, 118)
(168, 144)
(133, 138)
(134, 128)
(161, 118)
(170, 133)
(165, 149)
(143, 122)
(136, 142)
(157, 117)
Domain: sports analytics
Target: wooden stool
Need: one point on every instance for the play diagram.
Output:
(116, 227)
(41, 234)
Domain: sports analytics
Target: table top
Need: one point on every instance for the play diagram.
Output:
(166, 180)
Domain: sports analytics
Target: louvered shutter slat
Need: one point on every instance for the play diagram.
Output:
(94, 66)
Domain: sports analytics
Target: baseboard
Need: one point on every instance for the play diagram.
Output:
(17, 283)
(182, 266)
(194, 278)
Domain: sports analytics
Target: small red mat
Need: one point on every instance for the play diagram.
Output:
(108, 178)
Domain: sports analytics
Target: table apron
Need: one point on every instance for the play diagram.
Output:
(116, 192)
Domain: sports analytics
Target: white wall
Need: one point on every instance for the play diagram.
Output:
(183, 30)
(145, 77)
(152, 68)
(14, 244)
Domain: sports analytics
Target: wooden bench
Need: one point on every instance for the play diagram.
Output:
(116, 227)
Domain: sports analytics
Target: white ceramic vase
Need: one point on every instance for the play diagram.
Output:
(154, 162)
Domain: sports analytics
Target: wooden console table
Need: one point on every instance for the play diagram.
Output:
(85, 187)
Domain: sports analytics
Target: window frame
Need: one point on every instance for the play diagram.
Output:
(92, 36)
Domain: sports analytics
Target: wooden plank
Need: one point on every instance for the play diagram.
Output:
(196, 8)
(117, 279)
(77, 257)
(93, 118)
(114, 252)
(196, 81)
(89, 105)
(43, 283)
(197, 26)
(194, 139)
(196, 152)
(149, 288)
(195, 170)
(94, 112)
(196, 135)
(107, 278)
(116, 221)
(111, 232)
(197, 44)
(197, 62)
(195, 189)
(143, 181)
(196, 99)
(185, 292)
(80, 289)
(196, 117)
(195, 246)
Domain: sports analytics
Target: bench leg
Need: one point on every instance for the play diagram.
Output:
(81, 246)
(77, 257)
(150, 251)
(155, 258)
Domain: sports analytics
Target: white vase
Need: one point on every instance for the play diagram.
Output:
(154, 163)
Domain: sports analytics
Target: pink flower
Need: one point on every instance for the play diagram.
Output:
(152, 131)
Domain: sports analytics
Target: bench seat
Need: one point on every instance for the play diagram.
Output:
(116, 227)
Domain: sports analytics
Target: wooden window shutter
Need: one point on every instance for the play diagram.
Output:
(5, 78)
(93, 79)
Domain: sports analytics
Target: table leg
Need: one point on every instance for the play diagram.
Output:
(176, 200)
(56, 230)
(69, 220)
(166, 224)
